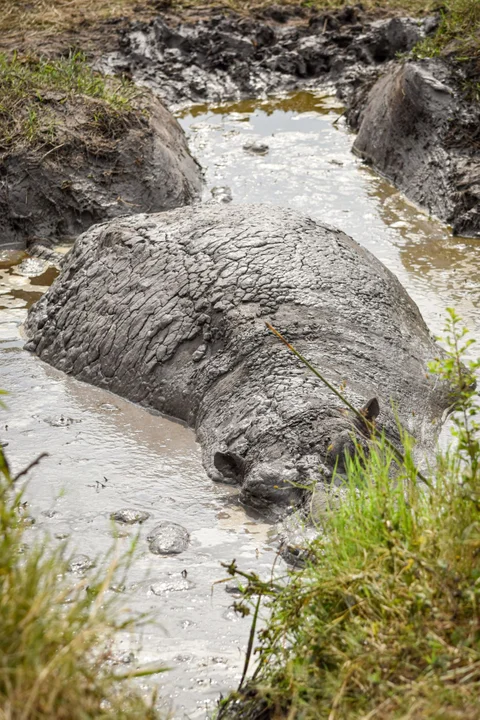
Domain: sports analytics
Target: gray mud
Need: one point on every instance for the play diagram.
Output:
(106, 454)
(51, 194)
(417, 127)
(227, 56)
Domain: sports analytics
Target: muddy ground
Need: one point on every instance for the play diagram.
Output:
(427, 114)
(213, 56)
(90, 174)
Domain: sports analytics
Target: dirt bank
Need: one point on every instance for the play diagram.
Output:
(74, 152)
(415, 128)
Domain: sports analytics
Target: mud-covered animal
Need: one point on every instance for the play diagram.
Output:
(169, 310)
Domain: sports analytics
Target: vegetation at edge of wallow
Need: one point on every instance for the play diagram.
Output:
(384, 619)
(38, 95)
(57, 629)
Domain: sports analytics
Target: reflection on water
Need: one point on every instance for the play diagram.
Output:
(309, 166)
(106, 454)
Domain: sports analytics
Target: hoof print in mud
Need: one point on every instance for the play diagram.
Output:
(169, 310)
(168, 538)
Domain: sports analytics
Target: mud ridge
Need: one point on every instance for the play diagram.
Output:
(89, 174)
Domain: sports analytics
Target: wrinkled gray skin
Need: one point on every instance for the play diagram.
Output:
(169, 310)
(417, 129)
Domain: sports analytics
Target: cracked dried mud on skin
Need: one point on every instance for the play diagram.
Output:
(168, 310)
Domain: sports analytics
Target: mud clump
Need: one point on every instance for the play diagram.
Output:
(99, 165)
(168, 538)
(415, 128)
(225, 57)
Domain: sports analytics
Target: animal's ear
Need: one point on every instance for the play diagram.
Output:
(230, 465)
(371, 410)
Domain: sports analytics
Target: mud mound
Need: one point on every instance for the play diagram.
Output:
(415, 129)
(100, 166)
(227, 56)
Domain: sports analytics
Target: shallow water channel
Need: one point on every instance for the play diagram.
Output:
(106, 454)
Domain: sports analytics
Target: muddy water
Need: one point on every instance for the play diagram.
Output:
(106, 454)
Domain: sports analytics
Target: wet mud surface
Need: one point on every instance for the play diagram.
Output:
(106, 454)
(228, 56)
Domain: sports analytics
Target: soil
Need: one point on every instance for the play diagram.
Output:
(95, 171)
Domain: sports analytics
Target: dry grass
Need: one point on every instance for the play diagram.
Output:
(40, 97)
(56, 16)
(59, 15)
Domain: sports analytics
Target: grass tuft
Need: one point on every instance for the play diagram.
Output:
(384, 619)
(56, 632)
(33, 90)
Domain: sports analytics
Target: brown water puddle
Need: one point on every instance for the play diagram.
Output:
(106, 454)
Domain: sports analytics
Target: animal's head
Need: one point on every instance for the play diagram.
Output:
(278, 476)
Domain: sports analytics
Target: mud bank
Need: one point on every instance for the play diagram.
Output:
(221, 57)
(97, 168)
(415, 128)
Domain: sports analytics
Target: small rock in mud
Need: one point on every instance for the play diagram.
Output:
(256, 148)
(168, 538)
(233, 589)
(129, 516)
(80, 563)
(169, 584)
(222, 193)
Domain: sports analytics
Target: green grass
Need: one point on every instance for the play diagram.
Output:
(384, 619)
(37, 94)
(56, 630)
(459, 36)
